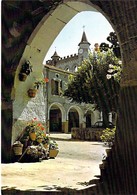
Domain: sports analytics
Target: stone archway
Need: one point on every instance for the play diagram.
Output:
(88, 119)
(56, 118)
(73, 119)
(122, 17)
(55, 121)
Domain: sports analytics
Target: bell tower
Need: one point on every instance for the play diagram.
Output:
(83, 46)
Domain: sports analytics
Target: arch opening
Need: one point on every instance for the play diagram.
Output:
(55, 119)
(73, 118)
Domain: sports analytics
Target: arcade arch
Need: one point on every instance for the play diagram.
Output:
(74, 117)
(56, 117)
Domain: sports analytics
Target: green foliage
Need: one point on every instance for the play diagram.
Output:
(90, 83)
(108, 136)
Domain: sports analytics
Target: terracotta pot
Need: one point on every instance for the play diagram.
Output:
(32, 136)
(17, 148)
(32, 93)
(22, 76)
(53, 153)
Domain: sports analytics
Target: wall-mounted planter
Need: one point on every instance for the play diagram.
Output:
(32, 93)
(25, 71)
(22, 76)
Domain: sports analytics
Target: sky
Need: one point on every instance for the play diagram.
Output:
(95, 25)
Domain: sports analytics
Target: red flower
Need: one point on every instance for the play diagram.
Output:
(46, 80)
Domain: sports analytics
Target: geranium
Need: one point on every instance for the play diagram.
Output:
(35, 127)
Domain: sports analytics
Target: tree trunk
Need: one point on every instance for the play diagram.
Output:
(105, 119)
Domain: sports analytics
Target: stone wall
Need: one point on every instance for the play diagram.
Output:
(90, 134)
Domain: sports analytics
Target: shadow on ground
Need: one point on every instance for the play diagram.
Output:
(93, 187)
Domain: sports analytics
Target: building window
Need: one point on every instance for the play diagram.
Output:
(67, 69)
(56, 87)
(56, 90)
(75, 69)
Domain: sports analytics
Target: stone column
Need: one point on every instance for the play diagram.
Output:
(6, 129)
(126, 135)
(65, 126)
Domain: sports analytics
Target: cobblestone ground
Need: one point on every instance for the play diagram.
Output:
(75, 166)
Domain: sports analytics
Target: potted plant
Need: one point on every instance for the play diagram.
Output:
(53, 149)
(17, 148)
(25, 71)
(31, 131)
(108, 136)
(35, 130)
(32, 91)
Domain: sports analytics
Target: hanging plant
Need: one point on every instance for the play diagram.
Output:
(25, 71)
(32, 91)
(40, 82)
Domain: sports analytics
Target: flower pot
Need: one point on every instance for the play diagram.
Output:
(22, 76)
(32, 136)
(17, 148)
(53, 153)
(32, 93)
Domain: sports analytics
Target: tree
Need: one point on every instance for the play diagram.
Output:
(97, 82)
(112, 38)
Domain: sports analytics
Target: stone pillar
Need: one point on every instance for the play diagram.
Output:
(47, 126)
(84, 123)
(126, 134)
(6, 129)
(65, 126)
(110, 117)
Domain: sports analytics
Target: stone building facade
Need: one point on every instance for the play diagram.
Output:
(63, 114)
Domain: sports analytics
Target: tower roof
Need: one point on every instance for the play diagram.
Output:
(84, 39)
(55, 55)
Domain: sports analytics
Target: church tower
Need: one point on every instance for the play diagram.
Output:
(83, 47)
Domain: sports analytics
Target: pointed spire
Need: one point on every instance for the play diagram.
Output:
(84, 39)
(55, 55)
(55, 58)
